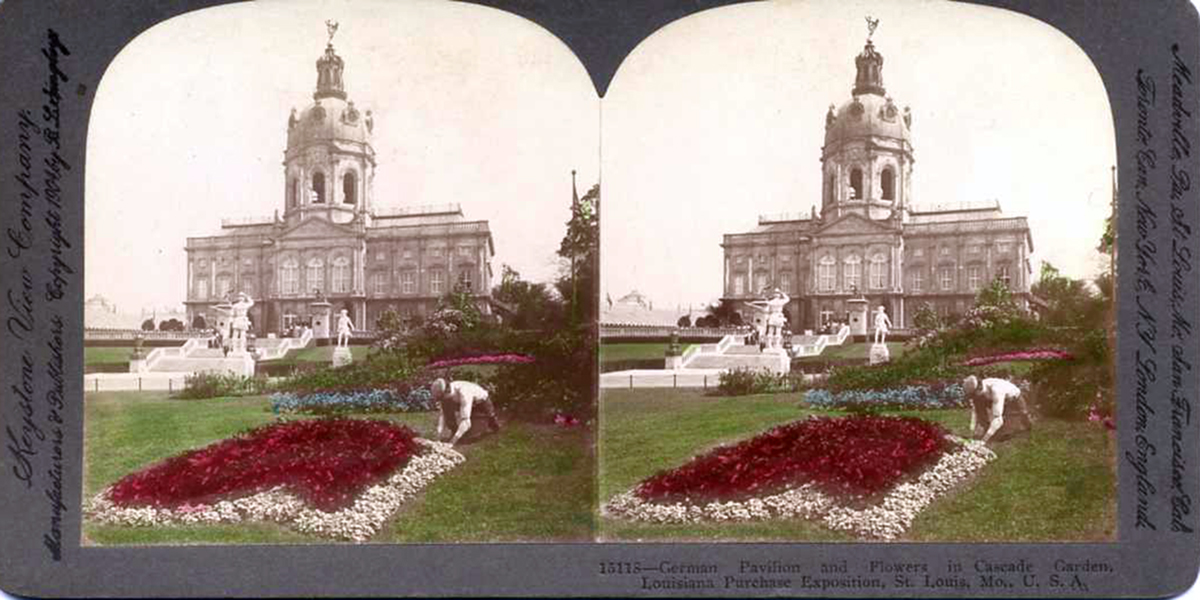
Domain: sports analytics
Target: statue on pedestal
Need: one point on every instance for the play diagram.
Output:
(772, 330)
(344, 325)
(240, 322)
(882, 324)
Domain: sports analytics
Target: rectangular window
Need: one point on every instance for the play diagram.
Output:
(973, 277)
(944, 251)
(918, 252)
(381, 281)
(435, 283)
(825, 277)
(464, 251)
(1003, 246)
(381, 255)
(289, 280)
(202, 289)
(464, 280)
(436, 252)
(1004, 276)
(785, 282)
(739, 285)
(223, 287)
(947, 278)
(973, 249)
(408, 283)
(878, 275)
(853, 274)
(407, 253)
(315, 277)
(917, 280)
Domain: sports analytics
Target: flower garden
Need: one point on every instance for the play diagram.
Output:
(344, 453)
(874, 452)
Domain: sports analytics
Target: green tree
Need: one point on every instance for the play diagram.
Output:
(1069, 302)
(148, 325)
(580, 248)
(533, 305)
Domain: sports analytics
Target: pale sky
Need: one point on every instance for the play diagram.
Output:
(719, 117)
(471, 105)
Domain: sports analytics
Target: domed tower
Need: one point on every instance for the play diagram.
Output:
(329, 164)
(867, 158)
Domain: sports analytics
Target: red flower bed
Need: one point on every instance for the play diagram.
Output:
(326, 462)
(858, 455)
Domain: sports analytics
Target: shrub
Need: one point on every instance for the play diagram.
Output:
(938, 395)
(203, 385)
(377, 372)
(560, 381)
(858, 455)
(744, 381)
(1069, 390)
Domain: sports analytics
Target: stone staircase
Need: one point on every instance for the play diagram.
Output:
(194, 356)
(732, 353)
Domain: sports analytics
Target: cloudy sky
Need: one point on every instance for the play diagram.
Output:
(471, 105)
(719, 117)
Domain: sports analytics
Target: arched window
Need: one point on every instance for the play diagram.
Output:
(878, 272)
(831, 192)
(341, 275)
(314, 277)
(318, 187)
(349, 188)
(293, 198)
(825, 275)
(887, 181)
(853, 272)
(856, 182)
(289, 280)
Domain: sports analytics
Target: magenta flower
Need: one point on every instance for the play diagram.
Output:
(1026, 355)
(486, 359)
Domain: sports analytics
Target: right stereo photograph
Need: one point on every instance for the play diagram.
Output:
(857, 280)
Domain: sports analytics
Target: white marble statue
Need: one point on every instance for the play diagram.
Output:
(990, 400)
(456, 401)
(240, 323)
(772, 331)
(344, 325)
(882, 325)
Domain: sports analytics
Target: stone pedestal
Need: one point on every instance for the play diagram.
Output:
(342, 356)
(858, 315)
(879, 354)
(674, 362)
(322, 312)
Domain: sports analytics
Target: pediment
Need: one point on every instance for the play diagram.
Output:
(316, 227)
(853, 224)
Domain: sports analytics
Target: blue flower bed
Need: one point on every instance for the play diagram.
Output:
(905, 397)
(368, 401)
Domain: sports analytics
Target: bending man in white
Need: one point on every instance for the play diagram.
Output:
(988, 400)
(882, 324)
(456, 401)
(344, 325)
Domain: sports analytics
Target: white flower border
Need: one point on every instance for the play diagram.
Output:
(357, 522)
(886, 520)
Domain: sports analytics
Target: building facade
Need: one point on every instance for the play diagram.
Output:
(330, 241)
(869, 239)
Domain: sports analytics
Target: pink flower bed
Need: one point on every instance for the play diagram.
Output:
(1026, 355)
(486, 359)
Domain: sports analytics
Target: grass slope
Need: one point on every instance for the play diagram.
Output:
(1058, 484)
(526, 483)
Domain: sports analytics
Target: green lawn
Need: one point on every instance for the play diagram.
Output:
(1058, 484)
(528, 483)
(323, 354)
(95, 355)
(636, 351)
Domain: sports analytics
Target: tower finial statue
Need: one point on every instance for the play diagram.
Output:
(332, 27)
(871, 25)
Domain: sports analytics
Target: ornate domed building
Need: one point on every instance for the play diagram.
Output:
(869, 238)
(330, 241)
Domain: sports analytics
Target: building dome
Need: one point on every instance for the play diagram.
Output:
(331, 116)
(329, 119)
(865, 116)
(869, 112)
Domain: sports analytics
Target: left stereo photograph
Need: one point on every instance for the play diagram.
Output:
(341, 269)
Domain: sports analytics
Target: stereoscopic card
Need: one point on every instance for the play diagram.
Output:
(498, 298)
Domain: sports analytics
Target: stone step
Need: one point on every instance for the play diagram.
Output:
(239, 365)
(770, 361)
(203, 352)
